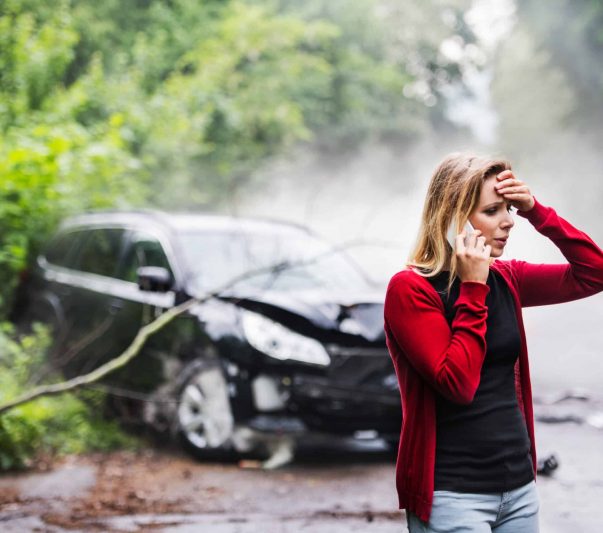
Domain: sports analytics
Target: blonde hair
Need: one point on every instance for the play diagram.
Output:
(453, 193)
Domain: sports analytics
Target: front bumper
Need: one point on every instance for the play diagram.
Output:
(356, 395)
(325, 406)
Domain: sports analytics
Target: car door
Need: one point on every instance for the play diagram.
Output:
(92, 301)
(139, 307)
(48, 299)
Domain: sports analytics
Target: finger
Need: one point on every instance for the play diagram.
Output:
(504, 174)
(516, 186)
(480, 246)
(460, 242)
(508, 177)
(508, 183)
(487, 250)
(472, 238)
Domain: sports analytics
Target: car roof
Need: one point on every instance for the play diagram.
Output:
(181, 221)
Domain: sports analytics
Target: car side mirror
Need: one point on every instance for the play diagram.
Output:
(154, 279)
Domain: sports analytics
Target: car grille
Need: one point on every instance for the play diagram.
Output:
(361, 367)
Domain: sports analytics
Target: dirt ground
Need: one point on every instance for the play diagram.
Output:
(165, 490)
(323, 490)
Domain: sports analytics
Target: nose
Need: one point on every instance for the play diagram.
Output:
(508, 222)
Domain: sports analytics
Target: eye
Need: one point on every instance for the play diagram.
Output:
(493, 210)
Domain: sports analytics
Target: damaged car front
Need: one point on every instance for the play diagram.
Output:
(297, 349)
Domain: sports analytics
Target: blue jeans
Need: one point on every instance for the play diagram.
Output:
(515, 511)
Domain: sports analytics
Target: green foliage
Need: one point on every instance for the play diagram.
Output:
(175, 103)
(207, 90)
(68, 423)
(36, 47)
(51, 163)
(49, 171)
(386, 69)
(233, 100)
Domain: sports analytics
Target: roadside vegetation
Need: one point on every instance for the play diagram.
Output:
(64, 424)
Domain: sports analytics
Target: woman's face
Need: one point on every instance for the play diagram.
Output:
(492, 217)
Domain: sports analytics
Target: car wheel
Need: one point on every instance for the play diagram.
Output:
(204, 416)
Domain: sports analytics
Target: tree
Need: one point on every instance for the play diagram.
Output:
(176, 103)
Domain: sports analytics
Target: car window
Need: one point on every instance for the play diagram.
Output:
(143, 250)
(99, 253)
(215, 258)
(60, 250)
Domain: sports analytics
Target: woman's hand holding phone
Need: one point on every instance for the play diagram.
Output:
(472, 256)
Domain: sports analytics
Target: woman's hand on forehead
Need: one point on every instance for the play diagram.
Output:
(515, 191)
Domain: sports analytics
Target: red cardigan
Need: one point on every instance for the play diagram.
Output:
(431, 357)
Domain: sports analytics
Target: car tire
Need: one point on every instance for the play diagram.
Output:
(205, 423)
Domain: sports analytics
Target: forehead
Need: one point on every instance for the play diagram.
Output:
(488, 193)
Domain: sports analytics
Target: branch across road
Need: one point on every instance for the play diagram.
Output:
(153, 327)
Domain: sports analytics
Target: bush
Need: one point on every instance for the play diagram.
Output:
(69, 423)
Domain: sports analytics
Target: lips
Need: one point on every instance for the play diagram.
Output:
(502, 241)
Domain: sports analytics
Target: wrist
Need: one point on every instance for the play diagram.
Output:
(530, 206)
(537, 215)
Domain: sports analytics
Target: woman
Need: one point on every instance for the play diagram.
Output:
(454, 329)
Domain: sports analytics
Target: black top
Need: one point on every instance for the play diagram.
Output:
(484, 446)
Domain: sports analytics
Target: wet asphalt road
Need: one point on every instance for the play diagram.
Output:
(322, 491)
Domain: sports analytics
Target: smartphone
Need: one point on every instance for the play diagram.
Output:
(451, 236)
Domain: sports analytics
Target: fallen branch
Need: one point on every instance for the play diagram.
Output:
(120, 361)
(145, 332)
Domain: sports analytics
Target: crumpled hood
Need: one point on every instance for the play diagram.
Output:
(360, 313)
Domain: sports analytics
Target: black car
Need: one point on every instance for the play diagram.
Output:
(296, 350)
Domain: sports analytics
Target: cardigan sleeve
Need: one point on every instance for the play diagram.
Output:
(450, 360)
(545, 284)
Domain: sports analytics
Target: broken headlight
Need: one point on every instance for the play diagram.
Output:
(275, 340)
